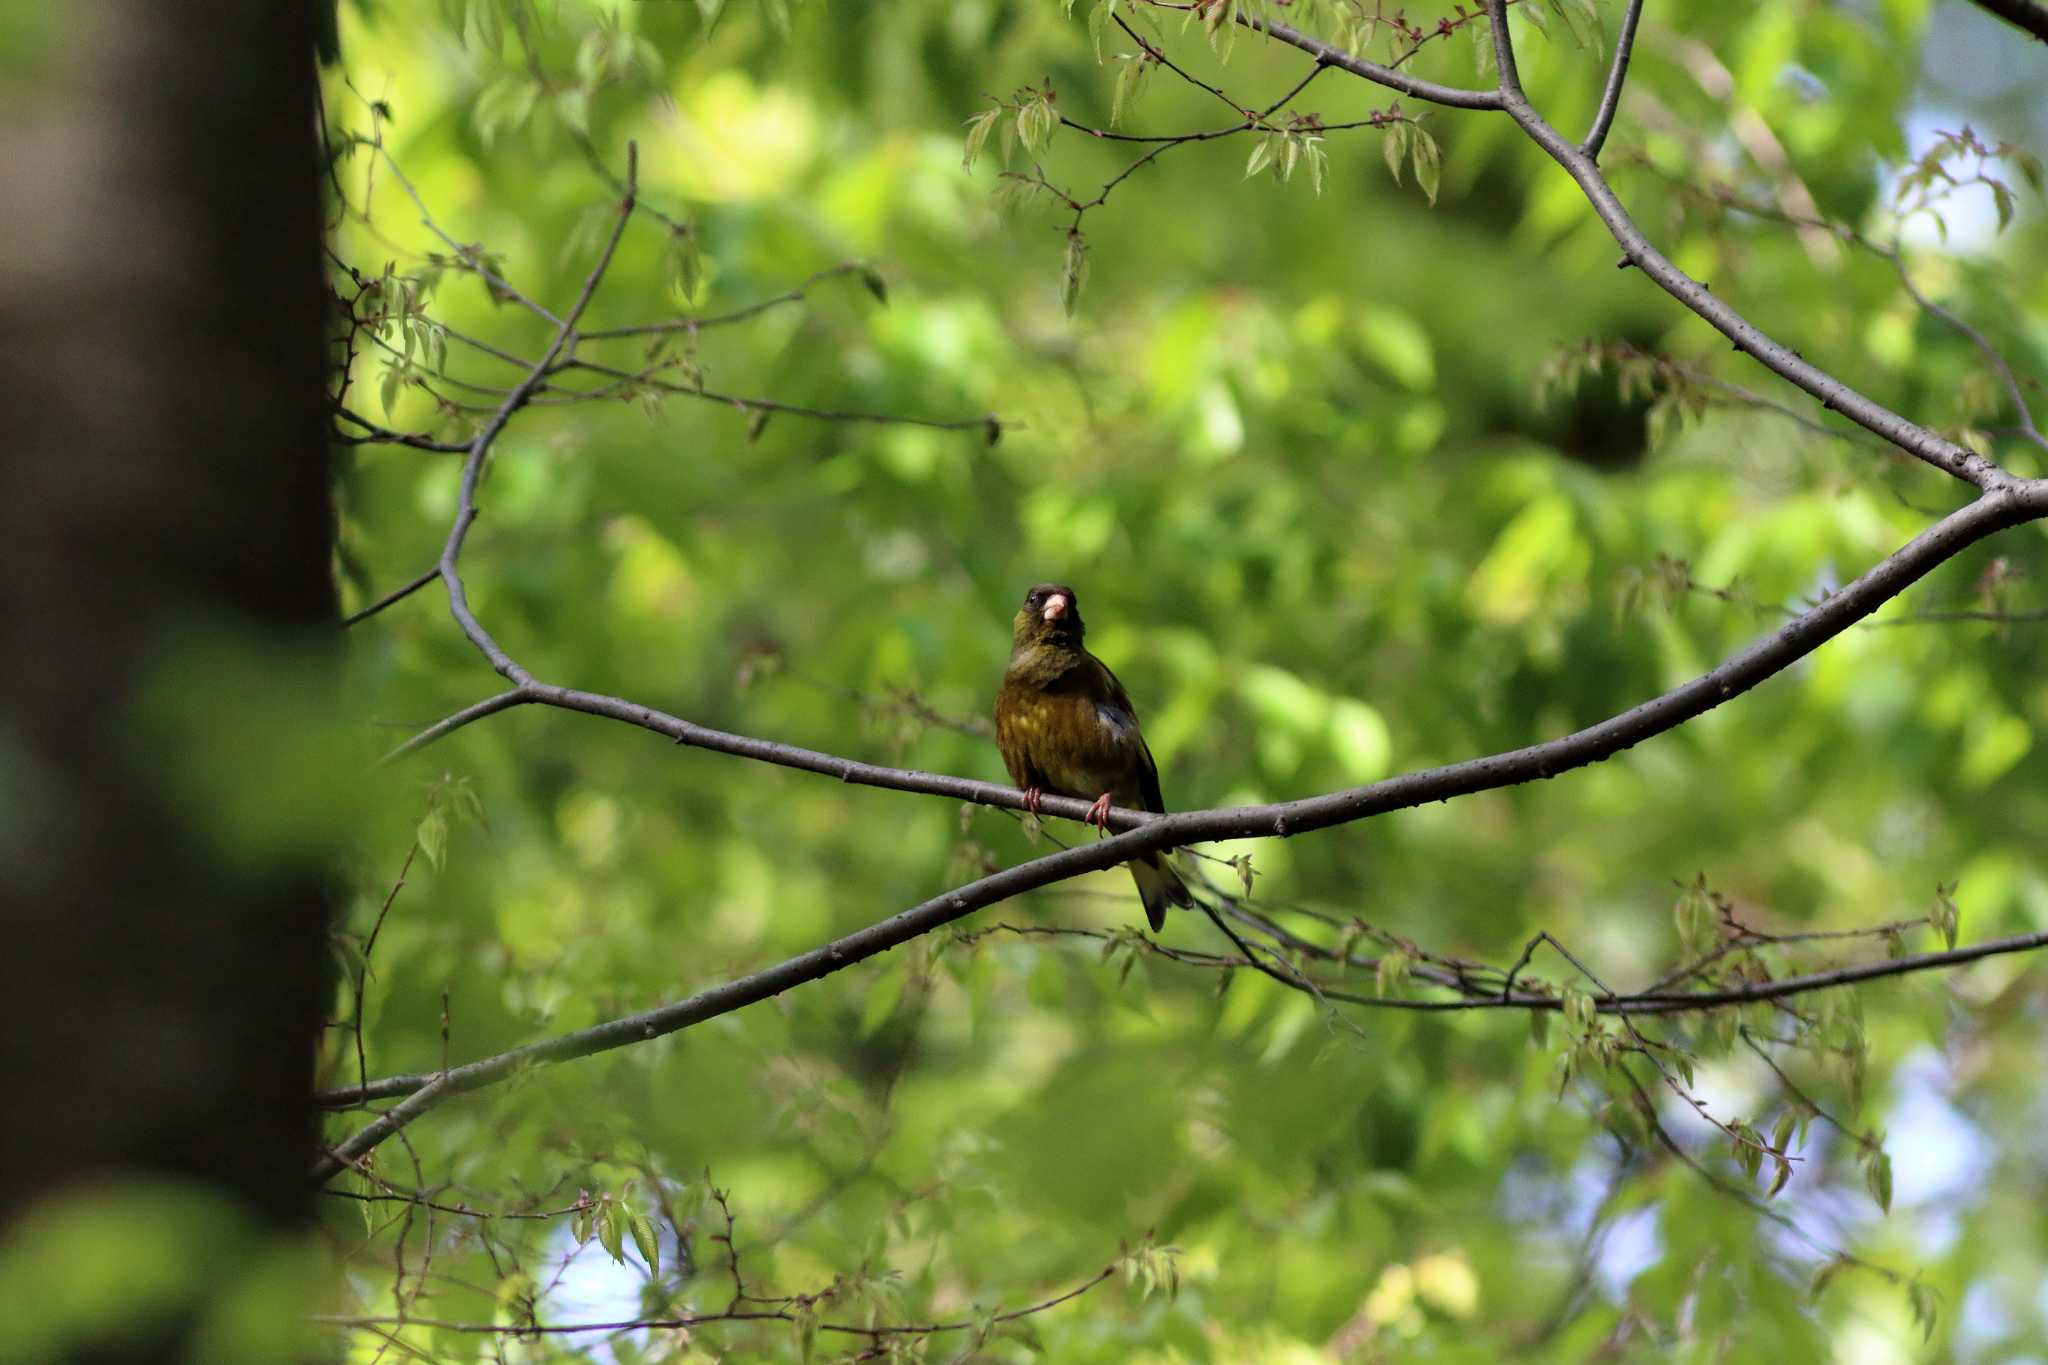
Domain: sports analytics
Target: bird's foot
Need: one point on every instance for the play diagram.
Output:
(1098, 814)
(1032, 796)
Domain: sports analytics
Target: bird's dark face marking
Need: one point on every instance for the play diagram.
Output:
(1050, 613)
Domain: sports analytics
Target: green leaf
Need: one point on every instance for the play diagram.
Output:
(591, 55)
(1694, 915)
(432, 835)
(515, 1290)
(1262, 154)
(483, 28)
(2029, 168)
(1130, 83)
(1747, 1150)
(1221, 21)
(1428, 162)
(978, 129)
(1781, 1133)
(1074, 271)
(646, 58)
(645, 1239)
(504, 104)
(807, 1332)
(1098, 23)
(1394, 146)
(611, 1231)
(1924, 1304)
(683, 266)
(573, 108)
(1578, 1010)
(1877, 1177)
(1946, 917)
(1581, 21)
(1035, 124)
(1595, 32)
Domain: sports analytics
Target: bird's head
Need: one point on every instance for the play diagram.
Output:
(1051, 615)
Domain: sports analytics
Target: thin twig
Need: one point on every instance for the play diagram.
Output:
(752, 310)
(701, 1319)
(1991, 353)
(1617, 74)
(393, 597)
(1835, 395)
(472, 468)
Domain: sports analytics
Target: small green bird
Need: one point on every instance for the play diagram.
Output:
(1066, 726)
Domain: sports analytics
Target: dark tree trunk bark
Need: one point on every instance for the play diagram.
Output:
(164, 517)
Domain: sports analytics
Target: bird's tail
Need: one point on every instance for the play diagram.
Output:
(1159, 886)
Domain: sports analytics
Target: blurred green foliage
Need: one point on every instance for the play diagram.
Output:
(1343, 495)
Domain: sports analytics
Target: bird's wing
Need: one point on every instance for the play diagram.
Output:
(1148, 779)
(1115, 705)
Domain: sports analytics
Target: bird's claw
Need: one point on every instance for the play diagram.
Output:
(1032, 796)
(1098, 814)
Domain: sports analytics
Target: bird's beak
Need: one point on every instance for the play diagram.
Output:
(1055, 607)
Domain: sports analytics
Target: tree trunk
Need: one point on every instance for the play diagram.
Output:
(165, 515)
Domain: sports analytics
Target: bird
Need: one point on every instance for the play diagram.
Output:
(1065, 725)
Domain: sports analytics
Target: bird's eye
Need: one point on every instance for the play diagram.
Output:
(1035, 599)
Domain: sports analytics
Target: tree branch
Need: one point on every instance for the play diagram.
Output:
(393, 597)
(2004, 502)
(385, 436)
(2030, 15)
(745, 404)
(1142, 833)
(427, 1091)
(472, 467)
(1992, 356)
(695, 324)
(729, 1315)
(1457, 97)
(1505, 69)
(1866, 412)
(1908, 436)
(722, 999)
(489, 706)
(1799, 636)
(1610, 98)
(470, 258)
